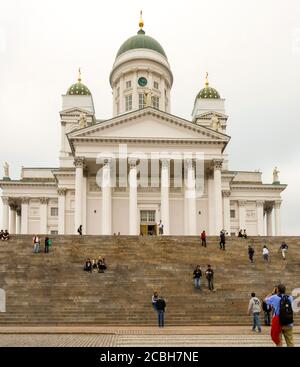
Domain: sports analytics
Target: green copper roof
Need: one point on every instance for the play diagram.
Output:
(79, 89)
(141, 41)
(208, 92)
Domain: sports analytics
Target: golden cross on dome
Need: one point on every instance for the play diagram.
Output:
(206, 80)
(141, 22)
(79, 75)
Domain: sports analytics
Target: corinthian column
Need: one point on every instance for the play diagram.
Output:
(133, 227)
(5, 213)
(44, 215)
(12, 219)
(226, 210)
(277, 205)
(164, 195)
(24, 215)
(106, 198)
(269, 210)
(260, 217)
(79, 164)
(61, 210)
(217, 164)
(242, 214)
(190, 197)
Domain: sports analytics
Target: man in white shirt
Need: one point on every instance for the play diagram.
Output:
(254, 307)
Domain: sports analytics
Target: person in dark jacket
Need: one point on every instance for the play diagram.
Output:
(88, 266)
(160, 307)
(79, 230)
(47, 245)
(267, 313)
(222, 240)
(197, 275)
(251, 253)
(210, 277)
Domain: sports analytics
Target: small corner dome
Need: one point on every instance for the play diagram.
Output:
(207, 91)
(141, 40)
(79, 88)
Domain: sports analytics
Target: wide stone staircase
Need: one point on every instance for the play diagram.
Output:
(53, 289)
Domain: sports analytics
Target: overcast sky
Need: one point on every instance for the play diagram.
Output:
(251, 50)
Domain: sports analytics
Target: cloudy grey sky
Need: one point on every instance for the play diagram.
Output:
(251, 50)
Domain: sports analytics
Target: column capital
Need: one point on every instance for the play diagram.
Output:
(165, 162)
(25, 200)
(226, 193)
(44, 200)
(190, 163)
(79, 162)
(217, 163)
(13, 206)
(132, 162)
(61, 191)
(260, 203)
(5, 200)
(242, 203)
(277, 204)
(18, 211)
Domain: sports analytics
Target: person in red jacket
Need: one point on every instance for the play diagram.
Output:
(203, 238)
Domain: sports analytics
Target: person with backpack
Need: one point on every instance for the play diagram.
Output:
(47, 244)
(203, 238)
(254, 307)
(251, 253)
(160, 307)
(210, 277)
(197, 275)
(222, 240)
(283, 318)
(284, 247)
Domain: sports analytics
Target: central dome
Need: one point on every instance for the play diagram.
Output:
(141, 41)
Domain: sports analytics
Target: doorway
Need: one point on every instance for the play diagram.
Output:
(148, 225)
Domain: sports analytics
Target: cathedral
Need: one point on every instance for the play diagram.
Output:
(143, 165)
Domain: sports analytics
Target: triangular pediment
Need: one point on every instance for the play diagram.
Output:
(209, 114)
(149, 124)
(75, 111)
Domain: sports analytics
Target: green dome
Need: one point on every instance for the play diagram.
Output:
(208, 92)
(141, 41)
(79, 89)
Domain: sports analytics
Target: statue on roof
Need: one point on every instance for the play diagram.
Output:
(6, 169)
(215, 123)
(82, 120)
(275, 175)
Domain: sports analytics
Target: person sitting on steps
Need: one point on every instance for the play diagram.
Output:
(101, 265)
(5, 235)
(88, 266)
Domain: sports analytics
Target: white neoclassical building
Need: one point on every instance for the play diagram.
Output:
(143, 165)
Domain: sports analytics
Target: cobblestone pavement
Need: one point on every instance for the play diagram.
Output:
(139, 340)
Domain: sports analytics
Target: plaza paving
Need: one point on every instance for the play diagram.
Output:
(136, 336)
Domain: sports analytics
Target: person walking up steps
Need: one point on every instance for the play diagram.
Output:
(154, 300)
(254, 307)
(284, 247)
(210, 278)
(283, 318)
(251, 253)
(161, 306)
(197, 277)
(222, 240)
(203, 238)
(266, 254)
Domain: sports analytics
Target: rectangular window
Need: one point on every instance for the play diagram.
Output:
(128, 102)
(155, 102)
(147, 216)
(54, 212)
(156, 85)
(54, 232)
(141, 100)
(128, 84)
(232, 213)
